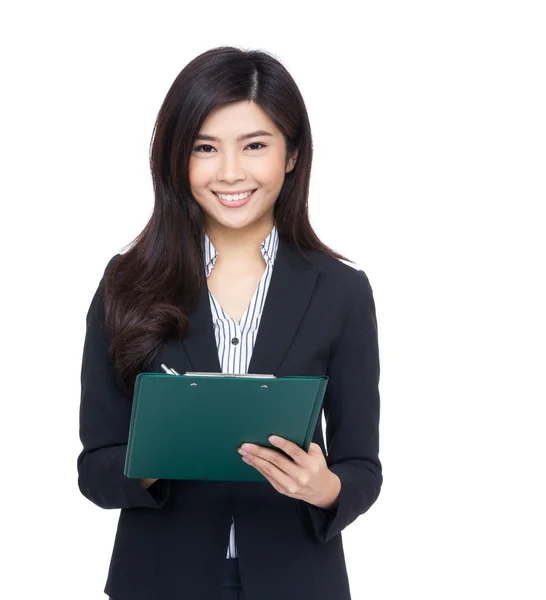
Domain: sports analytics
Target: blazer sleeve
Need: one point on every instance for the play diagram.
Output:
(351, 410)
(105, 413)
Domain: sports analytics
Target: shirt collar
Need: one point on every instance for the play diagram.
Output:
(268, 247)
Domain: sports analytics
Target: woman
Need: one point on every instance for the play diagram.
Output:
(228, 276)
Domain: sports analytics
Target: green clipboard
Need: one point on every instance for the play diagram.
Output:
(190, 426)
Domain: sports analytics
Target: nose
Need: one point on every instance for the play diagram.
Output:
(230, 168)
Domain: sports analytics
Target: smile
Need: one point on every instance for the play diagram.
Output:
(231, 197)
(235, 200)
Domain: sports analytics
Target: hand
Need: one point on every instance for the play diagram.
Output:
(300, 475)
(146, 483)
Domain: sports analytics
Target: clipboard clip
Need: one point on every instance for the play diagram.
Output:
(171, 371)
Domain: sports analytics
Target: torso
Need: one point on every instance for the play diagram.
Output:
(234, 292)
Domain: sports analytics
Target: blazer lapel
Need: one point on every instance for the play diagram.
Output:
(290, 289)
(199, 341)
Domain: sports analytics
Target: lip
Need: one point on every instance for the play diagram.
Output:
(233, 193)
(235, 203)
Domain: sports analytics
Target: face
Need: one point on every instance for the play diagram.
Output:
(238, 149)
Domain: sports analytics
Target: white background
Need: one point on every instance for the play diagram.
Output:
(429, 171)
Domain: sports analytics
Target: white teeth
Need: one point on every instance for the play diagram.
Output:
(233, 197)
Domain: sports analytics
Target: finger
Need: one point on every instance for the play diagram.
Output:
(280, 461)
(282, 482)
(248, 460)
(315, 450)
(293, 450)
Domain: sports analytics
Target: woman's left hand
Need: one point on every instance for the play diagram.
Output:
(305, 477)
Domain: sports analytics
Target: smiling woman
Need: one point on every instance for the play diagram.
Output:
(239, 169)
(229, 276)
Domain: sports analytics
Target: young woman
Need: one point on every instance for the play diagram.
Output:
(228, 276)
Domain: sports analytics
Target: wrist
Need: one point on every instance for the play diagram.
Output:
(331, 498)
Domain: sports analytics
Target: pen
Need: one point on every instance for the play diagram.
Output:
(168, 370)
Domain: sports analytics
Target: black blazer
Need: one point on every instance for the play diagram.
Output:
(172, 538)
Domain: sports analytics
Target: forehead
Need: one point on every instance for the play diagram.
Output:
(234, 119)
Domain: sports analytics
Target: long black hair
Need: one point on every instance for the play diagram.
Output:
(151, 289)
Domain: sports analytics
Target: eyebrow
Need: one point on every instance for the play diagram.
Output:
(245, 136)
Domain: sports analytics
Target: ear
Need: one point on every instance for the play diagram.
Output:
(291, 162)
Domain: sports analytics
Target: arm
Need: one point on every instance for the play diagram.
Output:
(105, 413)
(351, 409)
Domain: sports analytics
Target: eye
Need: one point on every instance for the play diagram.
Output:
(257, 144)
(199, 148)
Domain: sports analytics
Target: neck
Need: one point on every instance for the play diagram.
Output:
(239, 245)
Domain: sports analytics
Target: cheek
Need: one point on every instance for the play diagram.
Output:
(271, 173)
(197, 174)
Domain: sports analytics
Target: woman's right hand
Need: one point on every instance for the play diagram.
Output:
(146, 483)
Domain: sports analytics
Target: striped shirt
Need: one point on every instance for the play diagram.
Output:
(235, 341)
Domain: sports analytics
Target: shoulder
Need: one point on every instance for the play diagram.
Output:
(97, 302)
(111, 263)
(342, 277)
(110, 266)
